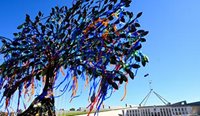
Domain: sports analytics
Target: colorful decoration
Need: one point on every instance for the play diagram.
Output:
(95, 41)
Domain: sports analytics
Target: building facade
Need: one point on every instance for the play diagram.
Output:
(177, 109)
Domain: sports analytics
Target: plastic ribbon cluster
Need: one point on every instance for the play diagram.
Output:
(96, 42)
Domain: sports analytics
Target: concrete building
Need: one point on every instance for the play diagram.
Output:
(177, 109)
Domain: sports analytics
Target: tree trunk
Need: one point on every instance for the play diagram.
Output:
(43, 105)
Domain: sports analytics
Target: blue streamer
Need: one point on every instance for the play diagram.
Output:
(90, 91)
(62, 81)
(111, 88)
(63, 92)
(66, 86)
(136, 71)
(8, 112)
(77, 95)
(99, 106)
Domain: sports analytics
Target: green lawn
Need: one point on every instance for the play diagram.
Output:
(74, 113)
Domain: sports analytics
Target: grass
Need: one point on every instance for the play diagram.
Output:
(74, 113)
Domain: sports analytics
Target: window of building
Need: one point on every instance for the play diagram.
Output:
(138, 112)
(173, 111)
(134, 113)
(167, 112)
(170, 112)
(179, 111)
(183, 111)
(176, 112)
(146, 112)
(164, 112)
(161, 112)
(158, 113)
(127, 112)
(142, 113)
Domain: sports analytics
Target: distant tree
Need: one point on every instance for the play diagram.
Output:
(72, 109)
(96, 39)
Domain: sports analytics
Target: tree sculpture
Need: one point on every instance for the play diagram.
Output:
(94, 40)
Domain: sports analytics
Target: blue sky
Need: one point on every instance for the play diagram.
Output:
(173, 46)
